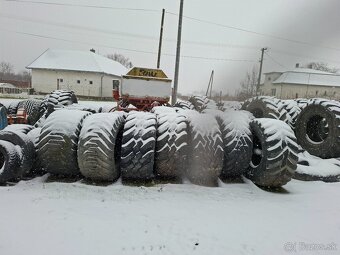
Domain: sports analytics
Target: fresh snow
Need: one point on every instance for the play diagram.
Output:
(39, 218)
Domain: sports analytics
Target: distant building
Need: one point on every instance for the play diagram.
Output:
(84, 72)
(301, 83)
(7, 88)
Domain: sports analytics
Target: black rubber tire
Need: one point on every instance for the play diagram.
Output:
(275, 153)
(205, 156)
(138, 146)
(237, 142)
(10, 161)
(199, 102)
(59, 98)
(58, 143)
(27, 148)
(293, 110)
(186, 105)
(34, 135)
(13, 107)
(266, 107)
(22, 128)
(171, 145)
(97, 150)
(318, 128)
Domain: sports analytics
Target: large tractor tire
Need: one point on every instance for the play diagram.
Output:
(171, 145)
(201, 103)
(318, 128)
(186, 105)
(59, 98)
(138, 146)
(10, 161)
(205, 156)
(237, 142)
(34, 135)
(13, 107)
(293, 110)
(26, 146)
(266, 107)
(98, 147)
(58, 143)
(22, 128)
(275, 153)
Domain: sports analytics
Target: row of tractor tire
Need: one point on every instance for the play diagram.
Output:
(167, 143)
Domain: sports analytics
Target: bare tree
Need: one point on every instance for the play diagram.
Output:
(121, 59)
(6, 70)
(322, 67)
(248, 85)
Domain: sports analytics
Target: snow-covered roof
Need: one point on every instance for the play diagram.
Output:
(307, 76)
(73, 60)
(6, 85)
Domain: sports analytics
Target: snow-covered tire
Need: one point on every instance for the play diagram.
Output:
(318, 128)
(3, 117)
(275, 153)
(59, 98)
(22, 128)
(186, 105)
(13, 107)
(237, 142)
(10, 161)
(171, 145)
(58, 143)
(27, 148)
(293, 110)
(138, 146)
(205, 154)
(97, 147)
(34, 135)
(199, 102)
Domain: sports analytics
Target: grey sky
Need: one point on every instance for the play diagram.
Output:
(313, 21)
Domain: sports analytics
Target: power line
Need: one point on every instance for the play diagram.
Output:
(125, 49)
(83, 5)
(257, 33)
(275, 61)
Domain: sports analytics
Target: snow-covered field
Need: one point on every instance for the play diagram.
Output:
(39, 217)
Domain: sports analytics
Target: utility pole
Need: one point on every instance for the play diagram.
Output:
(160, 41)
(210, 84)
(178, 53)
(260, 73)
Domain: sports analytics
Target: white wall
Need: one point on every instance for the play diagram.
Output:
(45, 81)
(288, 91)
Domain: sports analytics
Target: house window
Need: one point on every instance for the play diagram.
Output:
(316, 92)
(78, 81)
(90, 82)
(296, 95)
(61, 80)
(325, 94)
(115, 84)
(269, 78)
(273, 92)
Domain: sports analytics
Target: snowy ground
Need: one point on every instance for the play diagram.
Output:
(37, 217)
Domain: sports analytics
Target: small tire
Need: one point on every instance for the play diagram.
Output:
(58, 142)
(205, 156)
(59, 98)
(138, 146)
(237, 142)
(10, 161)
(275, 153)
(199, 102)
(318, 128)
(27, 149)
(171, 145)
(97, 148)
(13, 107)
(186, 105)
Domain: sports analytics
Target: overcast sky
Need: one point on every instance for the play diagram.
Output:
(134, 33)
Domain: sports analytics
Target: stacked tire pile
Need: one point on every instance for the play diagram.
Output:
(316, 123)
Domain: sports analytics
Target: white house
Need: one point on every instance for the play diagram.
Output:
(84, 72)
(301, 83)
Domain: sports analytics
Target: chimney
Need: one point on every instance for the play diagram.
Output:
(93, 50)
(297, 65)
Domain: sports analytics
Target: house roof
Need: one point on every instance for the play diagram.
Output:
(6, 85)
(72, 60)
(305, 76)
(301, 70)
